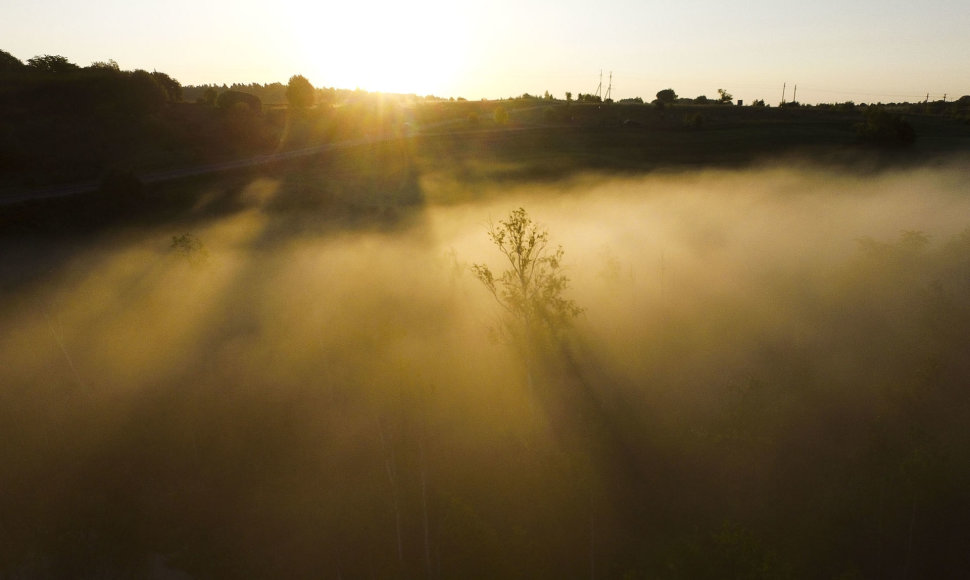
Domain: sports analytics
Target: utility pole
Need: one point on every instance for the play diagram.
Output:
(609, 88)
(783, 87)
(794, 95)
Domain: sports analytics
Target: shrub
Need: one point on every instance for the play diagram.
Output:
(885, 128)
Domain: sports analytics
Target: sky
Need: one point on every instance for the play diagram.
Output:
(833, 51)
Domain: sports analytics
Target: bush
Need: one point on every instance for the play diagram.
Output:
(227, 99)
(885, 128)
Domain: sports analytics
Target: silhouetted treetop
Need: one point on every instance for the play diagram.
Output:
(666, 96)
(144, 93)
(531, 290)
(9, 63)
(173, 89)
(300, 94)
(54, 64)
(110, 64)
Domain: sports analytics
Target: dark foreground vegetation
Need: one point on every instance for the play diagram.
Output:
(733, 368)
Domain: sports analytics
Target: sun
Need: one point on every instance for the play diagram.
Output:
(390, 47)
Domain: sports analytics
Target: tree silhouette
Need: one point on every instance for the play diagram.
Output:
(300, 93)
(53, 64)
(229, 99)
(143, 93)
(108, 65)
(210, 96)
(173, 89)
(531, 290)
(666, 96)
(9, 63)
(725, 97)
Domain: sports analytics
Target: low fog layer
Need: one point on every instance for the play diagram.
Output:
(766, 377)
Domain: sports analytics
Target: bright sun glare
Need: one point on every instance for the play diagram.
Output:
(385, 46)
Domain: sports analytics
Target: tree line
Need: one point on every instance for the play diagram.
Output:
(65, 122)
(54, 84)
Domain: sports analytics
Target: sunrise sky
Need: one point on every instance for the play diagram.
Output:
(864, 51)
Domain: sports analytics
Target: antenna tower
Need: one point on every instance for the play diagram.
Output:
(783, 87)
(609, 88)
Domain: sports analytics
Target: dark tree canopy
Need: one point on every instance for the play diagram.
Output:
(885, 128)
(300, 93)
(173, 89)
(54, 64)
(210, 96)
(666, 96)
(228, 99)
(110, 65)
(9, 63)
(143, 93)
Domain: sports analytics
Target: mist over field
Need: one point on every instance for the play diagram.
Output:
(768, 380)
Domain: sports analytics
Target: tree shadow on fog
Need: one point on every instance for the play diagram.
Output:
(201, 441)
(374, 186)
(369, 186)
